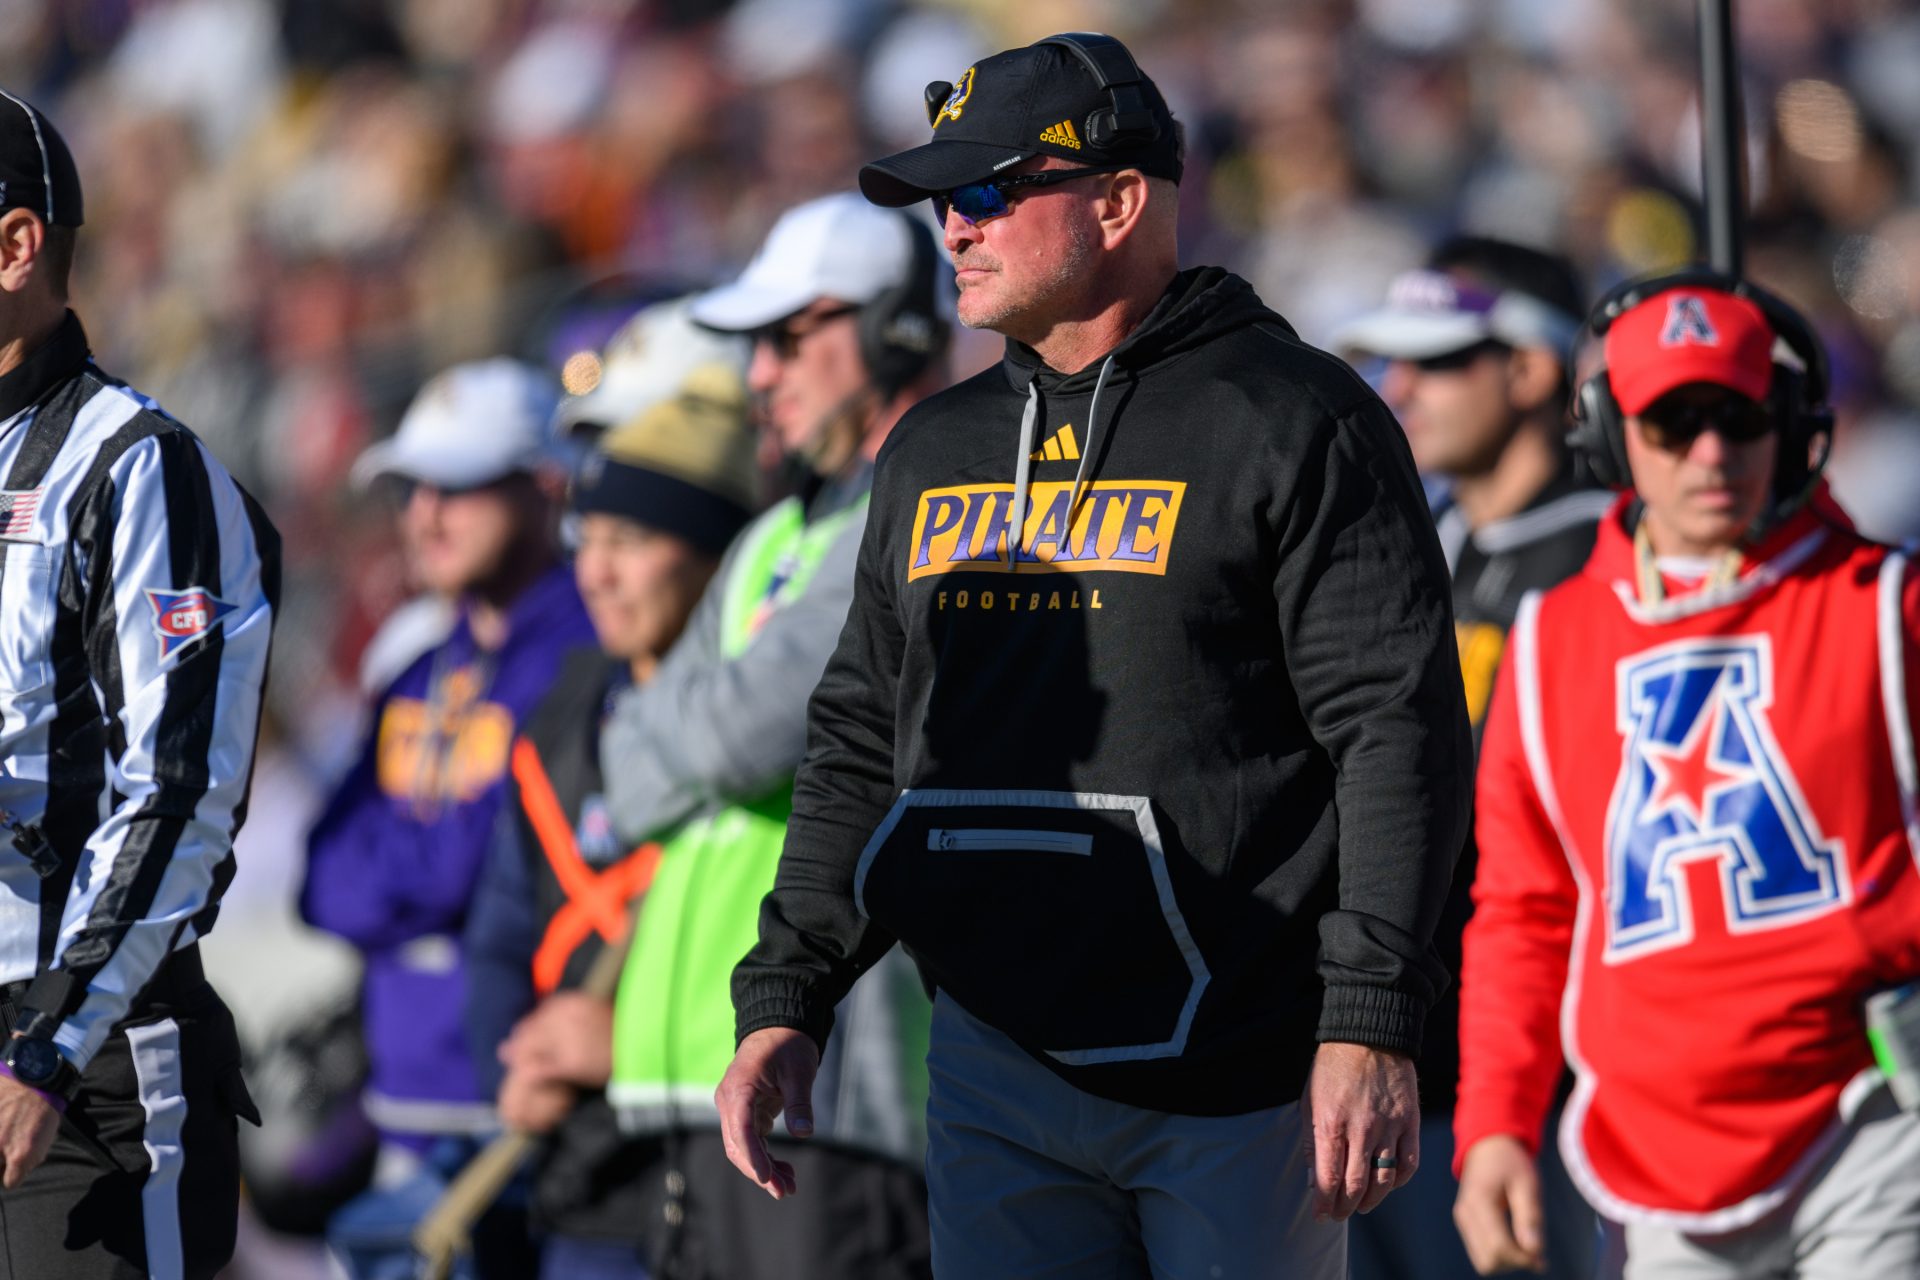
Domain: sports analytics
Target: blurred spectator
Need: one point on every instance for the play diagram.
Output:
(657, 503)
(393, 861)
(1874, 472)
(1477, 346)
(1324, 250)
(646, 363)
(293, 991)
(848, 320)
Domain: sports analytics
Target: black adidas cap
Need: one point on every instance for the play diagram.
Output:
(36, 169)
(1079, 96)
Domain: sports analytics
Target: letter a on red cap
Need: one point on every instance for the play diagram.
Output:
(1687, 323)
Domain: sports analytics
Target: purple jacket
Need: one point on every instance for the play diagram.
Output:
(392, 864)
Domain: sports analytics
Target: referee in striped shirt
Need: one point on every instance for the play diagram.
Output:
(137, 593)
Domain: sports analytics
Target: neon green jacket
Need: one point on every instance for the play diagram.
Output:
(673, 1015)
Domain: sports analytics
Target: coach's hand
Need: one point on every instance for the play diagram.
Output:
(1361, 1103)
(772, 1071)
(1498, 1208)
(28, 1125)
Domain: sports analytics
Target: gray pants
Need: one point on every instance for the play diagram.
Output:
(1858, 1218)
(1029, 1177)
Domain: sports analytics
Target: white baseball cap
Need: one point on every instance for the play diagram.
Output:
(646, 362)
(469, 426)
(838, 246)
(1433, 313)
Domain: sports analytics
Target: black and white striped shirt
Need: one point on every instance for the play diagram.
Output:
(138, 586)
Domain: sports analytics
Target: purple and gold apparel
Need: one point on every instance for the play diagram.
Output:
(392, 865)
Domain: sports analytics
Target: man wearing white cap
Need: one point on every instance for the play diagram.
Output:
(842, 305)
(393, 862)
(1476, 346)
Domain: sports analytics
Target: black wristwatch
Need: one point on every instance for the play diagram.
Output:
(38, 1065)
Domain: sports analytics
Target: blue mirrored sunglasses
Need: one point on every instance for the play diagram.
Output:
(979, 202)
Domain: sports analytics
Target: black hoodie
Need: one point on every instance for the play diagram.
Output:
(1179, 793)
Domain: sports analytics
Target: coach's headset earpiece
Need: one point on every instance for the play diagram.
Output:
(1129, 120)
(902, 330)
(1797, 399)
(938, 91)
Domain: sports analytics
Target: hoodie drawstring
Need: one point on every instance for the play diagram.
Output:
(1023, 465)
(1086, 450)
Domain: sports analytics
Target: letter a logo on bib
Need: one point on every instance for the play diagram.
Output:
(1702, 779)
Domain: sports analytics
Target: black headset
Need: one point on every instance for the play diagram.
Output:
(1129, 120)
(902, 330)
(1797, 400)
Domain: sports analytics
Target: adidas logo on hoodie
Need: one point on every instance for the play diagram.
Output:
(1060, 447)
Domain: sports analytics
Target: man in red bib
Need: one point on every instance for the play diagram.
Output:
(1698, 843)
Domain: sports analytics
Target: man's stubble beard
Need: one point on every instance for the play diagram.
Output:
(1075, 257)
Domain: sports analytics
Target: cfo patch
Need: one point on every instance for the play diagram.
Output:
(180, 616)
(1124, 526)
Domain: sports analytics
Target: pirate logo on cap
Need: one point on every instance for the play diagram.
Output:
(956, 100)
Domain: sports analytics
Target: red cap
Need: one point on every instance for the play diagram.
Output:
(1689, 335)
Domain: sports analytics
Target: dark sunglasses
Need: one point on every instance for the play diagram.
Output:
(979, 202)
(785, 336)
(1675, 424)
(1454, 361)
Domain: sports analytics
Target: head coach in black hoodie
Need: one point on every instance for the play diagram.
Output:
(1145, 735)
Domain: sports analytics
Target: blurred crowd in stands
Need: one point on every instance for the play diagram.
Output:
(300, 210)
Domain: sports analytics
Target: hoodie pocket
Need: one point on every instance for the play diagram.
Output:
(996, 840)
(1048, 914)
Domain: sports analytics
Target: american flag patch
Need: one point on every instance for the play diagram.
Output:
(17, 509)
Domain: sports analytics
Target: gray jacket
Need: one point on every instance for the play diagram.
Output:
(707, 729)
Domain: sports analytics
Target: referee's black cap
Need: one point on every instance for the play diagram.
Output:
(1045, 99)
(36, 169)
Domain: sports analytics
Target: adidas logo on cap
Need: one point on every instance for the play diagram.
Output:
(1060, 447)
(1061, 135)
